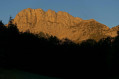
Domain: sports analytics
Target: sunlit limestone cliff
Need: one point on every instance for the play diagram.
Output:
(61, 24)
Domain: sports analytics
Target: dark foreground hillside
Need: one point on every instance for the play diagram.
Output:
(49, 56)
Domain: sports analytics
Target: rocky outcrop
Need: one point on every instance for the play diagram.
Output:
(113, 31)
(60, 24)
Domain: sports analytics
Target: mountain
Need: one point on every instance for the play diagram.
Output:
(113, 31)
(62, 25)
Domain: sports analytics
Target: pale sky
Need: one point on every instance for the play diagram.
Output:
(104, 11)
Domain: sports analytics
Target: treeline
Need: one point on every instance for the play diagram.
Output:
(47, 55)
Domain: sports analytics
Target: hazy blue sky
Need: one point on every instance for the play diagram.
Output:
(104, 11)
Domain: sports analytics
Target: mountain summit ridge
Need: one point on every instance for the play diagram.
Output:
(61, 24)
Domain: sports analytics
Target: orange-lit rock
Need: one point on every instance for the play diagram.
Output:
(61, 24)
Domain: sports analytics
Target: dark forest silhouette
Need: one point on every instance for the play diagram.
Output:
(47, 55)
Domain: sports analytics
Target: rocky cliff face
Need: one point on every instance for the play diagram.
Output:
(61, 24)
(113, 31)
